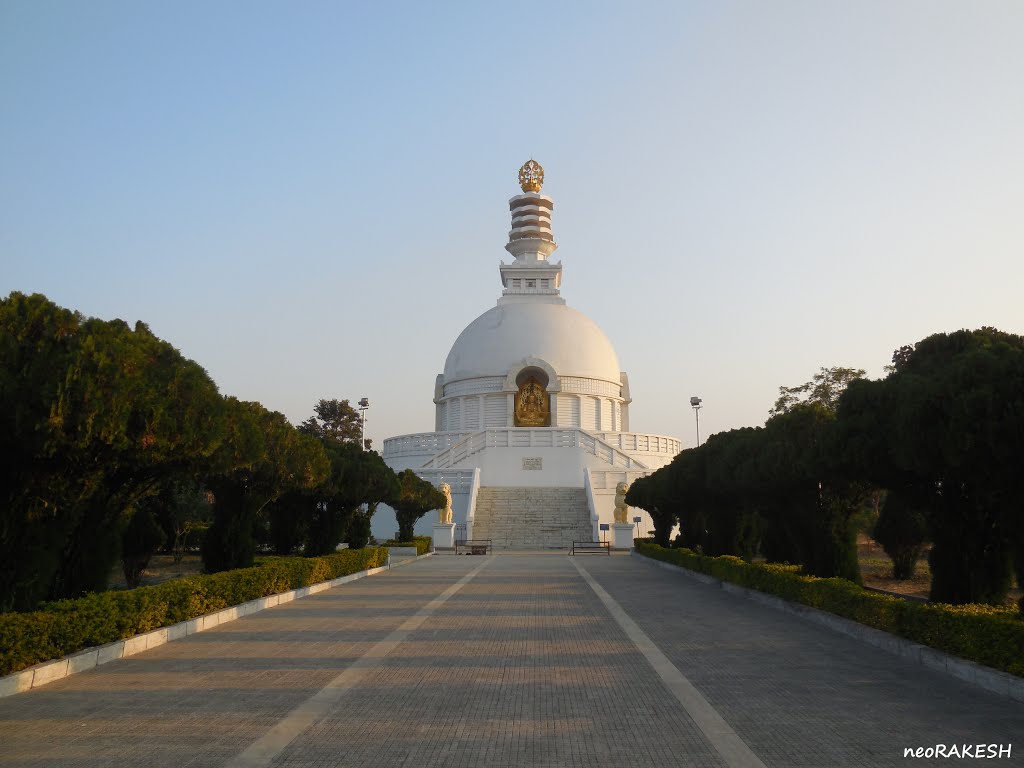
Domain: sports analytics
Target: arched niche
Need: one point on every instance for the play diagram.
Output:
(532, 398)
(538, 367)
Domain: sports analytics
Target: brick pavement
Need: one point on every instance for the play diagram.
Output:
(523, 664)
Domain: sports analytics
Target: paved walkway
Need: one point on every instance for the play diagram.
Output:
(511, 660)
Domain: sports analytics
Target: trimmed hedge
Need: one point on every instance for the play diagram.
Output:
(422, 544)
(985, 634)
(66, 626)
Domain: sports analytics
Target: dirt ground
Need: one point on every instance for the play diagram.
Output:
(161, 568)
(876, 571)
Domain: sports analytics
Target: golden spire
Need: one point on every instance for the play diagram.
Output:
(531, 176)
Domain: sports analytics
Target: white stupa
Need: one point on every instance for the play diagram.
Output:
(532, 410)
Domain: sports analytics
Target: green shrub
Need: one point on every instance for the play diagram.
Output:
(422, 544)
(66, 626)
(985, 634)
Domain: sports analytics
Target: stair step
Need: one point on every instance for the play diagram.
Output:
(531, 517)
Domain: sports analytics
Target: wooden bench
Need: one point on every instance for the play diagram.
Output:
(591, 548)
(473, 547)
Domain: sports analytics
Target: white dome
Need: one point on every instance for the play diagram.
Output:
(509, 334)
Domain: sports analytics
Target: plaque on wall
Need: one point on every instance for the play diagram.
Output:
(533, 462)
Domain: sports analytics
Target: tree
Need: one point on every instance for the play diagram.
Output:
(652, 494)
(687, 473)
(341, 505)
(335, 421)
(902, 530)
(38, 340)
(359, 480)
(263, 458)
(288, 522)
(731, 495)
(184, 510)
(100, 413)
(141, 539)
(414, 499)
(808, 502)
(825, 389)
(949, 420)
(363, 482)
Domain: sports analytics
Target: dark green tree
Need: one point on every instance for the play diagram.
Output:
(335, 421)
(340, 509)
(902, 530)
(414, 499)
(100, 414)
(340, 506)
(653, 495)
(949, 420)
(686, 478)
(825, 388)
(140, 540)
(732, 493)
(184, 511)
(288, 521)
(809, 502)
(365, 482)
(263, 458)
(38, 341)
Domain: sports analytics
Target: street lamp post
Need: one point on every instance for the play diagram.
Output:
(695, 402)
(363, 405)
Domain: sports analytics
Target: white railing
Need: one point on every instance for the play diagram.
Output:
(609, 453)
(471, 508)
(635, 442)
(459, 480)
(467, 446)
(433, 443)
(421, 444)
(540, 437)
(607, 479)
(595, 518)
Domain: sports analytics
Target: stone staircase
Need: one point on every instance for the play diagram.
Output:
(532, 518)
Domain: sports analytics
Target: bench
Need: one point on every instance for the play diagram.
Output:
(591, 548)
(473, 547)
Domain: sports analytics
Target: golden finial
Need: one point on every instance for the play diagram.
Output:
(531, 176)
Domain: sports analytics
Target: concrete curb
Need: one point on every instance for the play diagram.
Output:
(1002, 683)
(48, 671)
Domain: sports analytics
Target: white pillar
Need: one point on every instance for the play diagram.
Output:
(444, 536)
(622, 535)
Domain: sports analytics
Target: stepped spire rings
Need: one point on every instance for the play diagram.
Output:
(531, 176)
(532, 405)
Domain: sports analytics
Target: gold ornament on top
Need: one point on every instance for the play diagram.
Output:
(531, 176)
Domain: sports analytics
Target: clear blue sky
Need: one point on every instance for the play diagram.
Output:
(309, 199)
